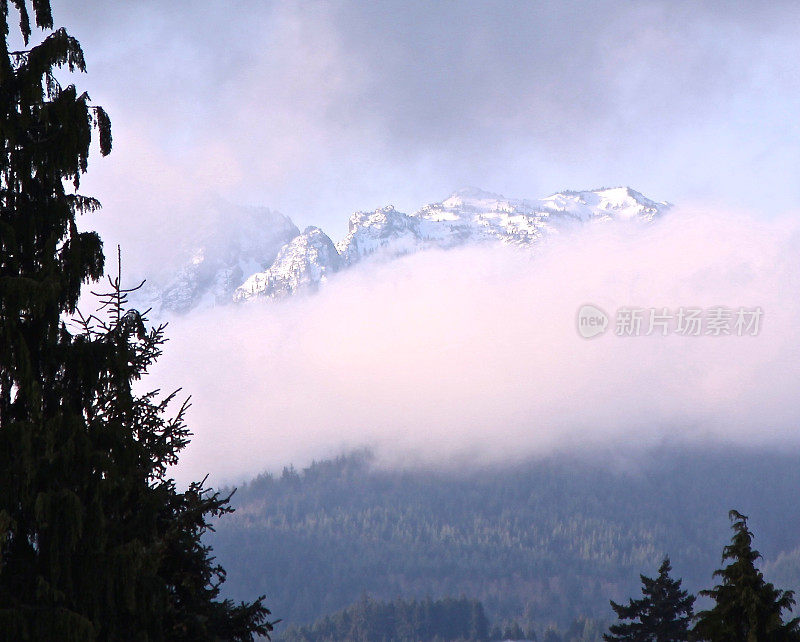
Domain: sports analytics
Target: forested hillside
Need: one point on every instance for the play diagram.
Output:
(539, 543)
(447, 619)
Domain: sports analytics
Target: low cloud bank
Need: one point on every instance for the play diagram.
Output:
(473, 356)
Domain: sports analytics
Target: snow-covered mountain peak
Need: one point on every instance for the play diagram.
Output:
(605, 203)
(379, 216)
(301, 265)
(472, 199)
(271, 258)
(470, 196)
(370, 232)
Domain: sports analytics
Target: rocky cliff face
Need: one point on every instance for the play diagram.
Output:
(301, 265)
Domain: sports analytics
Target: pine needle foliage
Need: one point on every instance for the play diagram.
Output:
(663, 614)
(96, 541)
(746, 607)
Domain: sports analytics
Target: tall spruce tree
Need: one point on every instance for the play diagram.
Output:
(96, 542)
(663, 614)
(747, 608)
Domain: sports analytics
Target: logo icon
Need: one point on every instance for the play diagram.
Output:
(592, 321)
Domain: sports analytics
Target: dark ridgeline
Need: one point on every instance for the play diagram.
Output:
(96, 543)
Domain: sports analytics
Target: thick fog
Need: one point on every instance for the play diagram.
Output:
(317, 109)
(473, 356)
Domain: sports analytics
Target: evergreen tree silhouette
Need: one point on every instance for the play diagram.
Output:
(96, 542)
(747, 608)
(663, 614)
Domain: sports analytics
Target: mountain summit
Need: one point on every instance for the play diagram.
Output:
(295, 262)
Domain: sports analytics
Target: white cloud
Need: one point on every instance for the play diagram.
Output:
(473, 356)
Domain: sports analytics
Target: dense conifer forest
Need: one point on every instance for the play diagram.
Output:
(540, 544)
(445, 620)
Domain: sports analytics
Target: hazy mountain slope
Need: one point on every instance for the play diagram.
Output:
(227, 245)
(545, 541)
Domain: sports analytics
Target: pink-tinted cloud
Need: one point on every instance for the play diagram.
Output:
(472, 356)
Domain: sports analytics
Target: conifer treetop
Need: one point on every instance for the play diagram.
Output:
(747, 608)
(663, 614)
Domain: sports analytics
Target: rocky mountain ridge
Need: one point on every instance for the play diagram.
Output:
(271, 259)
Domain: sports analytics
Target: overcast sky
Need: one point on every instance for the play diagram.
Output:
(320, 108)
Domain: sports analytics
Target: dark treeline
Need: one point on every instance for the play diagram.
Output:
(436, 620)
(445, 620)
(540, 544)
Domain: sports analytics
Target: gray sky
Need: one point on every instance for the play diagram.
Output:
(320, 108)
